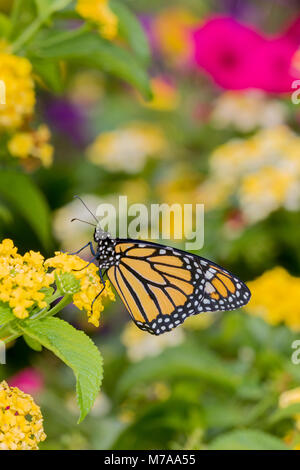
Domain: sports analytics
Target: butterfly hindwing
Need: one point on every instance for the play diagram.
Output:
(162, 286)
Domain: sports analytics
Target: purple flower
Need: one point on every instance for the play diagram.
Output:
(68, 119)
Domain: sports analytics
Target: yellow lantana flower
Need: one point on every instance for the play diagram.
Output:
(16, 75)
(127, 148)
(99, 12)
(24, 278)
(33, 144)
(276, 298)
(172, 31)
(21, 420)
(165, 95)
(21, 279)
(90, 284)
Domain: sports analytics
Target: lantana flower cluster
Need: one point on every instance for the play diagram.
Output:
(34, 144)
(99, 12)
(17, 109)
(261, 173)
(90, 284)
(21, 420)
(126, 149)
(276, 298)
(24, 281)
(16, 74)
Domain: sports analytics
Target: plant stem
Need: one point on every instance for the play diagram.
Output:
(57, 308)
(15, 13)
(27, 34)
(42, 314)
(10, 338)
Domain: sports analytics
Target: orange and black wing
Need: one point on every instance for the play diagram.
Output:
(162, 286)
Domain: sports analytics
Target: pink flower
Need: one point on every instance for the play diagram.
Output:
(292, 32)
(237, 57)
(272, 63)
(28, 380)
(224, 49)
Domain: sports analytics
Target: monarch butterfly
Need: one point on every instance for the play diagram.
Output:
(161, 286)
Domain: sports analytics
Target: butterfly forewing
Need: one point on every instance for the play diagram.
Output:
(162, 286)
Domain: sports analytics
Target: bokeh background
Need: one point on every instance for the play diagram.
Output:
(221, 129)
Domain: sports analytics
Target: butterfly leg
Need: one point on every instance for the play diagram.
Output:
(85, 246)
(84, 267)
(99, 293)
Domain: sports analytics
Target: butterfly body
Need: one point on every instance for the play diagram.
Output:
(161, 286)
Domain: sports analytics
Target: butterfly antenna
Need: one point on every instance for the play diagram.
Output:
(77, 197)
(84, 221)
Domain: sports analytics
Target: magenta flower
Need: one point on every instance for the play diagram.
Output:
(237, 57)
(28, 380)
(272, 63)
(292, 32)
(224, 49)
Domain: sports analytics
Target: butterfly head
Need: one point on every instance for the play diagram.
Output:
(100, 234)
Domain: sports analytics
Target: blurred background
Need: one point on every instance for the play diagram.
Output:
(222, 129)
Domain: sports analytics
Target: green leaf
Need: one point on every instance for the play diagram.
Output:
(6, 314)
(284, 413)
(182, 361)
(46, 7)
(18, 189)
(247, 440)
(67, 283)
(77, 350)
(49, 72)
(5, 26)
(131, 29)
(32, 343)
(91, 50)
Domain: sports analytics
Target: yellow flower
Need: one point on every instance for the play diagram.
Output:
(276, 298)
(16, 74)
(127, 149)
(90, 283)
(165, 96)
(32, 144)
(21, 279)
(246, 110)
(99, 12)
(265, 190)
(171, 29)
(290, 397)
(21, 420)
(262, 173)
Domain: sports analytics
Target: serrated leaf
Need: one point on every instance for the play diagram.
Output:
(76, 350)
(91, 50)
(247, 440)
(131, 29)
(29, 201)
(32, 343)
(6, 314)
